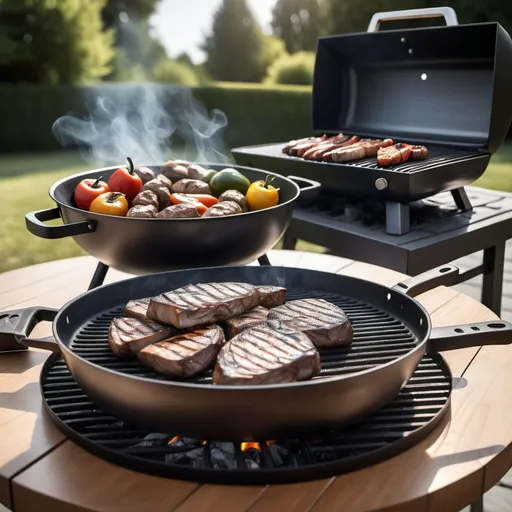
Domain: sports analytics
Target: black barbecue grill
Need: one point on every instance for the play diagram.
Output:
(447, 88)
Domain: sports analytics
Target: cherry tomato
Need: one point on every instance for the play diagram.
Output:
(262, 194)
(110, 203)
(189, 199)
(88, 190)
(126, 182)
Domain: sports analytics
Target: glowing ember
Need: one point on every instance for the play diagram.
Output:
(248, 446)
(173, 440)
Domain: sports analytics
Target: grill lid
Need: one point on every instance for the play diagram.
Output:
(448, 85)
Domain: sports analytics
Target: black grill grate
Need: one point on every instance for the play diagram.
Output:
(378, 339)
(437, 155)
(408, 418)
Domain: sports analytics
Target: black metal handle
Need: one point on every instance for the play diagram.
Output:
(430, 12)
(495, 332)
(311, 190)
(30, 317)
(35, 224)
(445, 275)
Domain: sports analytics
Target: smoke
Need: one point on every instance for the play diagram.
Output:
(149, 123)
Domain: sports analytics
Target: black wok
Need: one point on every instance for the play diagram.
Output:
(143, 246)
(392, 333)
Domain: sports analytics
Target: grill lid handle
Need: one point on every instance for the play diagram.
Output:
(434, 12)
(445, 275)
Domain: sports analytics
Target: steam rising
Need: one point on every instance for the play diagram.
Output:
(150, 123)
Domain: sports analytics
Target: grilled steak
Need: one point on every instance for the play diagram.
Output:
(126, 336)
(175, 171)
(137, 308)
(179, 211)
(222, 209)
(235, 196)
(242, 322)
(324, 323)
(203, 304)
(393, 155)
(147, 212)
(144, 173)
(329, 144)
(267, 355)
(160, 190)
(185, 354)
(146, 198)
(363, 149)
(188, 186)
(271, 296)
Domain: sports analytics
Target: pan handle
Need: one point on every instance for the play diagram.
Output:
(30, 317)
(495, 332)
(445, 275)
(310, 191)
(434, 12)
(35, 224)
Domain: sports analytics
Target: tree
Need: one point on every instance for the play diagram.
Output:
(51, 41)
(134, 9)
(299, 23)
(235, 46)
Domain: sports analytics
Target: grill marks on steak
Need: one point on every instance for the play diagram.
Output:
(185, 354)
(267, 355)
(127, 336)
(202, 304)
(363, 149)
(271, 296)
(325, 324)
(137, 308)
(236, 325)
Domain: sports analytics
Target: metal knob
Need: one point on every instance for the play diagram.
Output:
(381, 183)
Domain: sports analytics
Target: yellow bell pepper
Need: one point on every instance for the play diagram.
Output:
(261, 194)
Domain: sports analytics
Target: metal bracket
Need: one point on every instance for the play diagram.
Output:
(461, 199)
(397, 218)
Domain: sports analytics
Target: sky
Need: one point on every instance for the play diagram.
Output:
(181, 25)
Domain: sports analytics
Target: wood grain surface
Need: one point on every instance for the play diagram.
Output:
(468, 453)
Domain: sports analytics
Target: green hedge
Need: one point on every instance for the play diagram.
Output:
(256, 114)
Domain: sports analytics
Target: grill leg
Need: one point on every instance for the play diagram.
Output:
(397, 218)
(478, 505)
(263, 260)
(461, 199)
(99, 276)
(289, 242)
(494, 261)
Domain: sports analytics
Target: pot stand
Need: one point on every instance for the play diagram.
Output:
(101, 272)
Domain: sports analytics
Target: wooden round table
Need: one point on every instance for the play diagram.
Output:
(464, 457)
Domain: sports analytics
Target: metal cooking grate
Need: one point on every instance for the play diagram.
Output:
(437, 155)
(411, 416)
(378, 339)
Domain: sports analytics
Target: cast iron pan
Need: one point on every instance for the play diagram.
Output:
(342, 393)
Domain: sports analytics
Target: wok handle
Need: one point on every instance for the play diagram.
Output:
(434, 12)
(35, 224)
(310, 191)
(30, 317)
(445, 275)
(494, 332)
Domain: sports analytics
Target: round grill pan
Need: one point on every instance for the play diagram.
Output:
(392, 332)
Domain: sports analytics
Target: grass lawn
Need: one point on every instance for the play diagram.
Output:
(25, 180)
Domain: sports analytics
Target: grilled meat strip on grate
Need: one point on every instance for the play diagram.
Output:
(325, 324)
(393, 155)
(137, 308)
(185, 354)
(271, 296)
(242, 322)
(419, 152)
(203, 304)
(267, 355)
(296, 142)
(126, 336)
(363, 149)
(300, 149)
(319, 150)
